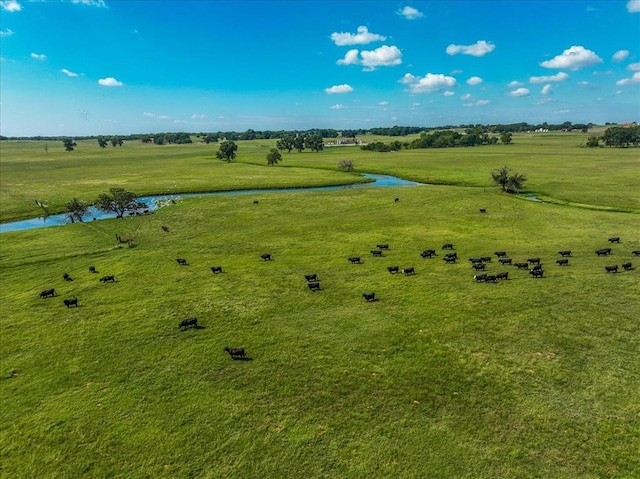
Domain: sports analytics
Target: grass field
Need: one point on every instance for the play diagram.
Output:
(441, 377)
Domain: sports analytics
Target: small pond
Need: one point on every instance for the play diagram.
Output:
(154, 202)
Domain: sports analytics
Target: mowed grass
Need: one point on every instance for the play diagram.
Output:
(441, 377)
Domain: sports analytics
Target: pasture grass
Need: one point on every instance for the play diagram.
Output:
(441, 377)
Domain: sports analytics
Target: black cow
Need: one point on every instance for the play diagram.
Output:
(565, 253)
(392, 269)
(500, 254)
(216, 269)
(503, 275)
(355, 260)
(534, 260)
(182, 261)
(266, 257)
(311, 277)
(614, 240)
(48, 293)
(396, 199)
(562, 262)
(108, 279)
(537, 267)
(92, 269)
(382, 246)
(627, 266)
(491, 279)
(536, 272)
(165, 228)
(314, 286)
(486, 259)
(428, 253)
(409, 271)
(188, 323)
(611, 269)
(475, 260)
(524, 265)
(636, 253)
(482, 210)
(479, 266)
(66, 277)
(255, 202)
(447, 246)
(70, 302)
(505, 260)
(369, 297)
(480, 277)
(236, 353)
(450, 259)
(603, 252)
(376, 252)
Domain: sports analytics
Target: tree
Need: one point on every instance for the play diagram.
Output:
(346, 165)
(76, 209)
(227, 151)
(273, 157)
(102, 142)
(119, 202)
(508, 181)
(314, 143)
(506, 138)
(69, 144)
(285, 143)
(298, 143)
(116, 140)
(593, 142)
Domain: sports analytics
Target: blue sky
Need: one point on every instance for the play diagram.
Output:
(90, 67)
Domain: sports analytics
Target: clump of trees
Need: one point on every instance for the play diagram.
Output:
(69, 144)
(118, 201)
(509, 181)
(621, 137)
(314, 142)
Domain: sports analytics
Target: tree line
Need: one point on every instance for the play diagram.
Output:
(617, 137)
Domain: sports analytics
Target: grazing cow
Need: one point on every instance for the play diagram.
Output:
(266, 257)
(482, 210)
(450, 259)
(537, 267)
(603, 252)
(505, 260)
(536, 272)
(562, 262)
(236, 353)
(523, 265)
(480, 277)
(382, 246)
(565, 253)
(355, 260)
(92, 269)
(369, 297)
(396, 199)
(108, 279)
(479, 266)
(627, 266)
(376, 252)
(311, 277)
(314, 286)
(182, 261)
(534, 260)
(255, 202)
(611, 269)
(428, 253)
(491, 279)
(216, 269)
(66, 277)
(636, 253)
(486, 259)
(188, 323)
(447, 246)
(392, 269)
(503, 275)
(165, 228)
(409, 271)
(614, 240)
(48, 293)
(475, 260)
(70, 302)
(500, 254)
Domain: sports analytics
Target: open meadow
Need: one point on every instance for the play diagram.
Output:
(441, 376)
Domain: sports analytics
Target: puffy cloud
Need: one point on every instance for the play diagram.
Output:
(628, 81)
(519, 92)
(363, 37)
(38, 56)
(410, 13)
(109, 81)
(148, 114)
(478, 49)
(429, 83)
(620, 55)
(337, 107)
(370, 59)
(466, 97)
(69, 73)
(91, 3)
(573, 58)
(10, 5)
(474, 81)
(561, 76)
(344, 88)
(383, 103)
(448, 93)
(546, 89)
(197, 116)
(634, 67)
(633, 6)
(6, 33)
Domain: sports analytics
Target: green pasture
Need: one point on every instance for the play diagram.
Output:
(441, 377)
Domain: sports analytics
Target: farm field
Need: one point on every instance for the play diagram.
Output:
(441, 376)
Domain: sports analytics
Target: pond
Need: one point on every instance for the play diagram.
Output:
(154, 202)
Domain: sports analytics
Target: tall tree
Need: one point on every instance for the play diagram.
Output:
(119, 201)
(227, 151)
(298, 143)
(69, 144)
(285, 143)
(76, 209)
(506, 138)
(102, 142)
(273, 157)
(314, 143)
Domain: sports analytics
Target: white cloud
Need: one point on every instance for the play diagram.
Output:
(478, 49)
(515, 84)
(573, 58)
(546, 89)
(474, 81)
(519, 92)
(69, 73)
(6, 33)
(38, 56)
(410, 13)
(415, 105)
(448, 93)
(633, 6)
(429, 83)
(147, 114)
(561, 76)
(196, 116)
(10, 5)
(477, 103)
(634, 67)
(370, 59)
(620, 55)
(344, 88)
(363, 37)
(91, 3)
(628, 81)
(163, 117)
(466, 97)
(383, 103)
(583, 83)
(337, 107)
(109, 81)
